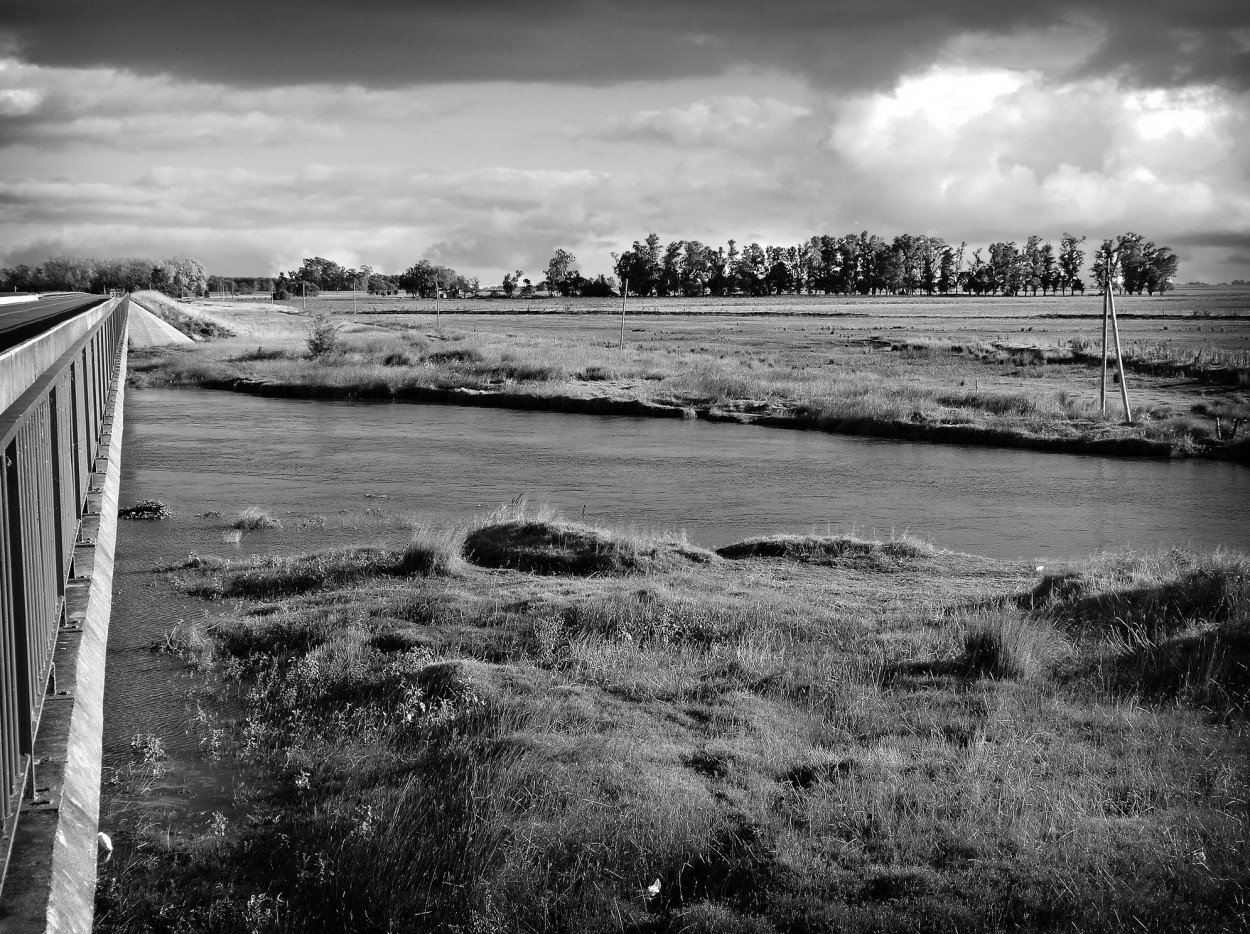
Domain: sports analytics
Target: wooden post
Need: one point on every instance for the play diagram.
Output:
(436, 309)
(1119, 359)
(303, 294)
(1102, 394)
(624, 293)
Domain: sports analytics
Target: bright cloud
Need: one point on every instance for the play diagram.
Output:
(1004, 153)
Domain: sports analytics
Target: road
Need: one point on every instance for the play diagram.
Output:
(23, 320)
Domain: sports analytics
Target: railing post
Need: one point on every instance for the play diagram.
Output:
(21, 628)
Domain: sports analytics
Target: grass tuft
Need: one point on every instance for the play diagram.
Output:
(434, 551)
(254, 518)
(1007, 646)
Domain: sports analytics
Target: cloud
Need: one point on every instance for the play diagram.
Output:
(1012, 150)
(105, 106)
(729, 121)
(483, 220)
(392, 43)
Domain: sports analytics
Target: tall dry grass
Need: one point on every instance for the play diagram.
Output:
(802, 736)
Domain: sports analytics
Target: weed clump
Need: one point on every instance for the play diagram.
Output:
(253, 519)
(149, 510)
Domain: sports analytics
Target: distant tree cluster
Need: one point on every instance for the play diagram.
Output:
(1135, 265)
(564, 277)
(240, 285)
(867, 264)
(175, 275)
(423, 278)
(318, 273)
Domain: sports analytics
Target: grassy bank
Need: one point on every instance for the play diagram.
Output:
(994, 391)
(195, 325)
(536, 725)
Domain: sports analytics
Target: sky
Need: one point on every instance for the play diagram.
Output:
(487, 133)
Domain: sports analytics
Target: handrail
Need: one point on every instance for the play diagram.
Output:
(49, 444)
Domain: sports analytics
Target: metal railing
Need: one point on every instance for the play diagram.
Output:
(49, 442)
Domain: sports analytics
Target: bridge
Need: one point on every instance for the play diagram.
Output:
(62, 375)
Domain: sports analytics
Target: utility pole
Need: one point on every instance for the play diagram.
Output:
(1102, 391)
(624, 294)
(1109, 315)
(1119, 357)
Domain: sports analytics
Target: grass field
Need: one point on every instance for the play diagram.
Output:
(994, 371)
(529, 724)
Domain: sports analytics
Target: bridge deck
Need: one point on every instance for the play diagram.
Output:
(21, 321)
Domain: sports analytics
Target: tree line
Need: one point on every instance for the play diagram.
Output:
(176, 275)
(867, 264)
(854, 264)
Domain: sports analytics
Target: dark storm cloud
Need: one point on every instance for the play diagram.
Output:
(396, 42)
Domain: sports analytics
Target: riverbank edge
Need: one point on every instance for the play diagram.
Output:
(636, 408)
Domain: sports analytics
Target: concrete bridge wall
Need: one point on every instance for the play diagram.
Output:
(61, 402)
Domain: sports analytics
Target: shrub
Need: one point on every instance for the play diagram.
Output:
(323, 336)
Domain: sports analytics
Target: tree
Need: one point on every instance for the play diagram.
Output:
(698, 265)
(1129, 248)
(779, 278)
(67, 273)
(751, 269)
(321, 272)
(639, 266)
(1144, 265)
(600, 287)
(1163, 266)
(1049, 274)
(1071, 259)
(510, 282)
(423, 277)
(1031, 260)
(561, 272)
(1107, 264)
